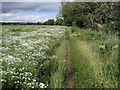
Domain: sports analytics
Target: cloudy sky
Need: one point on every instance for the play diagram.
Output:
(29, 11)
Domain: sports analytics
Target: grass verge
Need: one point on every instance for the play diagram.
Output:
(58, 76)
(94, 59)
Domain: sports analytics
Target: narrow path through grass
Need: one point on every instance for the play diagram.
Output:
(89, 67)
(83, 67)
(70, 80)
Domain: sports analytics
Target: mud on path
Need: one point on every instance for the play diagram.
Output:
(69, 79)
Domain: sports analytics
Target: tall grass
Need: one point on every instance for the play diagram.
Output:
(58, 75)
(94, 59)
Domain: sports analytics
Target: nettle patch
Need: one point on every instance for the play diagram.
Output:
(27, 55)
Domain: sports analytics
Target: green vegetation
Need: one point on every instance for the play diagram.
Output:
(49, 22)
(94, 42)
(35, 55)
(94, 59)
(91, 15)
(28, 63)
(58, 76)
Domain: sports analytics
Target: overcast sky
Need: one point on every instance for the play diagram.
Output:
(29, 11)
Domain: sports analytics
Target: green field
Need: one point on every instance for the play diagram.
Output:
(36, 56)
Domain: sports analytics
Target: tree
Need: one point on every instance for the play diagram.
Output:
(59, 21)
(91, 14)
(49, 22)
(38, 23)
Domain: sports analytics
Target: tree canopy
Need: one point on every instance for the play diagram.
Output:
(90, 14)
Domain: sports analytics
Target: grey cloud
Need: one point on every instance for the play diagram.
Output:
(20, 17)
(30, 6)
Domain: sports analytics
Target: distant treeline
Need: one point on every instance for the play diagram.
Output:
(48, 22)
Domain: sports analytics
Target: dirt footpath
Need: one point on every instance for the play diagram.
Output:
(69, 79)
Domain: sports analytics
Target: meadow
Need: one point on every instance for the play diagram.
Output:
(28, 55)
(35, 56)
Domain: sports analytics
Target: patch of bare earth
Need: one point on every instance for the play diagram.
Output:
(69, 79)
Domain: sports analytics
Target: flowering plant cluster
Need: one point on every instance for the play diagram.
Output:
(25, 58)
